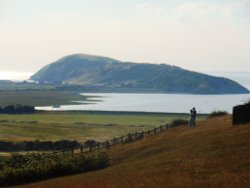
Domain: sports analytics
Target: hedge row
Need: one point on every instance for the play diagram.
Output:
(53, 167)
(17, 109)
(37, 145)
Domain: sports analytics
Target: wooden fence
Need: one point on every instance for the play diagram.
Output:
(131, 137)
(99, 146)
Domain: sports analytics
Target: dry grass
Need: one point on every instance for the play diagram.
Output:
(214, 154)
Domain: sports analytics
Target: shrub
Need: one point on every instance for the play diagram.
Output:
(217, 114)
(177, 122)
(90, 143)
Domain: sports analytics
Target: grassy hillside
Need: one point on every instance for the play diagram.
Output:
(214, 154)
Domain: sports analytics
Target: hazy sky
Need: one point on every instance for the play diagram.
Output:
(200, 35)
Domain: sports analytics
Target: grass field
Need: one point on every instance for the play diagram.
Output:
(214, 154)
(79, 126)
(39, 98)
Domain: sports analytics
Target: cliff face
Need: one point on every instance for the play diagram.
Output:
(95, 70)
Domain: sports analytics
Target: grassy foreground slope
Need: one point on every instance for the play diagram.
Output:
(214, 154)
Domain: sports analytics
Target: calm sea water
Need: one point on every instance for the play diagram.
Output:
(179, 103)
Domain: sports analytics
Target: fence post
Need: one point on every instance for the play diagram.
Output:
(142, 134)
(122, 139)
(107, 144)
(132, 137)
(98, 146)
(72, 151)
(149, 132)
(114, 141)
(129, 137)
(102, 145)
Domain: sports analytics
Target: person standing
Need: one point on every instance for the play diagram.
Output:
(192, 121)
(193, 117)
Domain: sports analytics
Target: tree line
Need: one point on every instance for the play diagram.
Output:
(17, 109)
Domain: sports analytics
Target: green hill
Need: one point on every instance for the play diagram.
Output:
(213, 154)
(106, 72)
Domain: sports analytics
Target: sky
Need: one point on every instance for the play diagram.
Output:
(199, 35)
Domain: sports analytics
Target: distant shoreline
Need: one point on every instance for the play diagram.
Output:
(104, 112)
(238, 76)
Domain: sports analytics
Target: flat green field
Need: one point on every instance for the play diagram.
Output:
(39, 98)
(79, 126)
